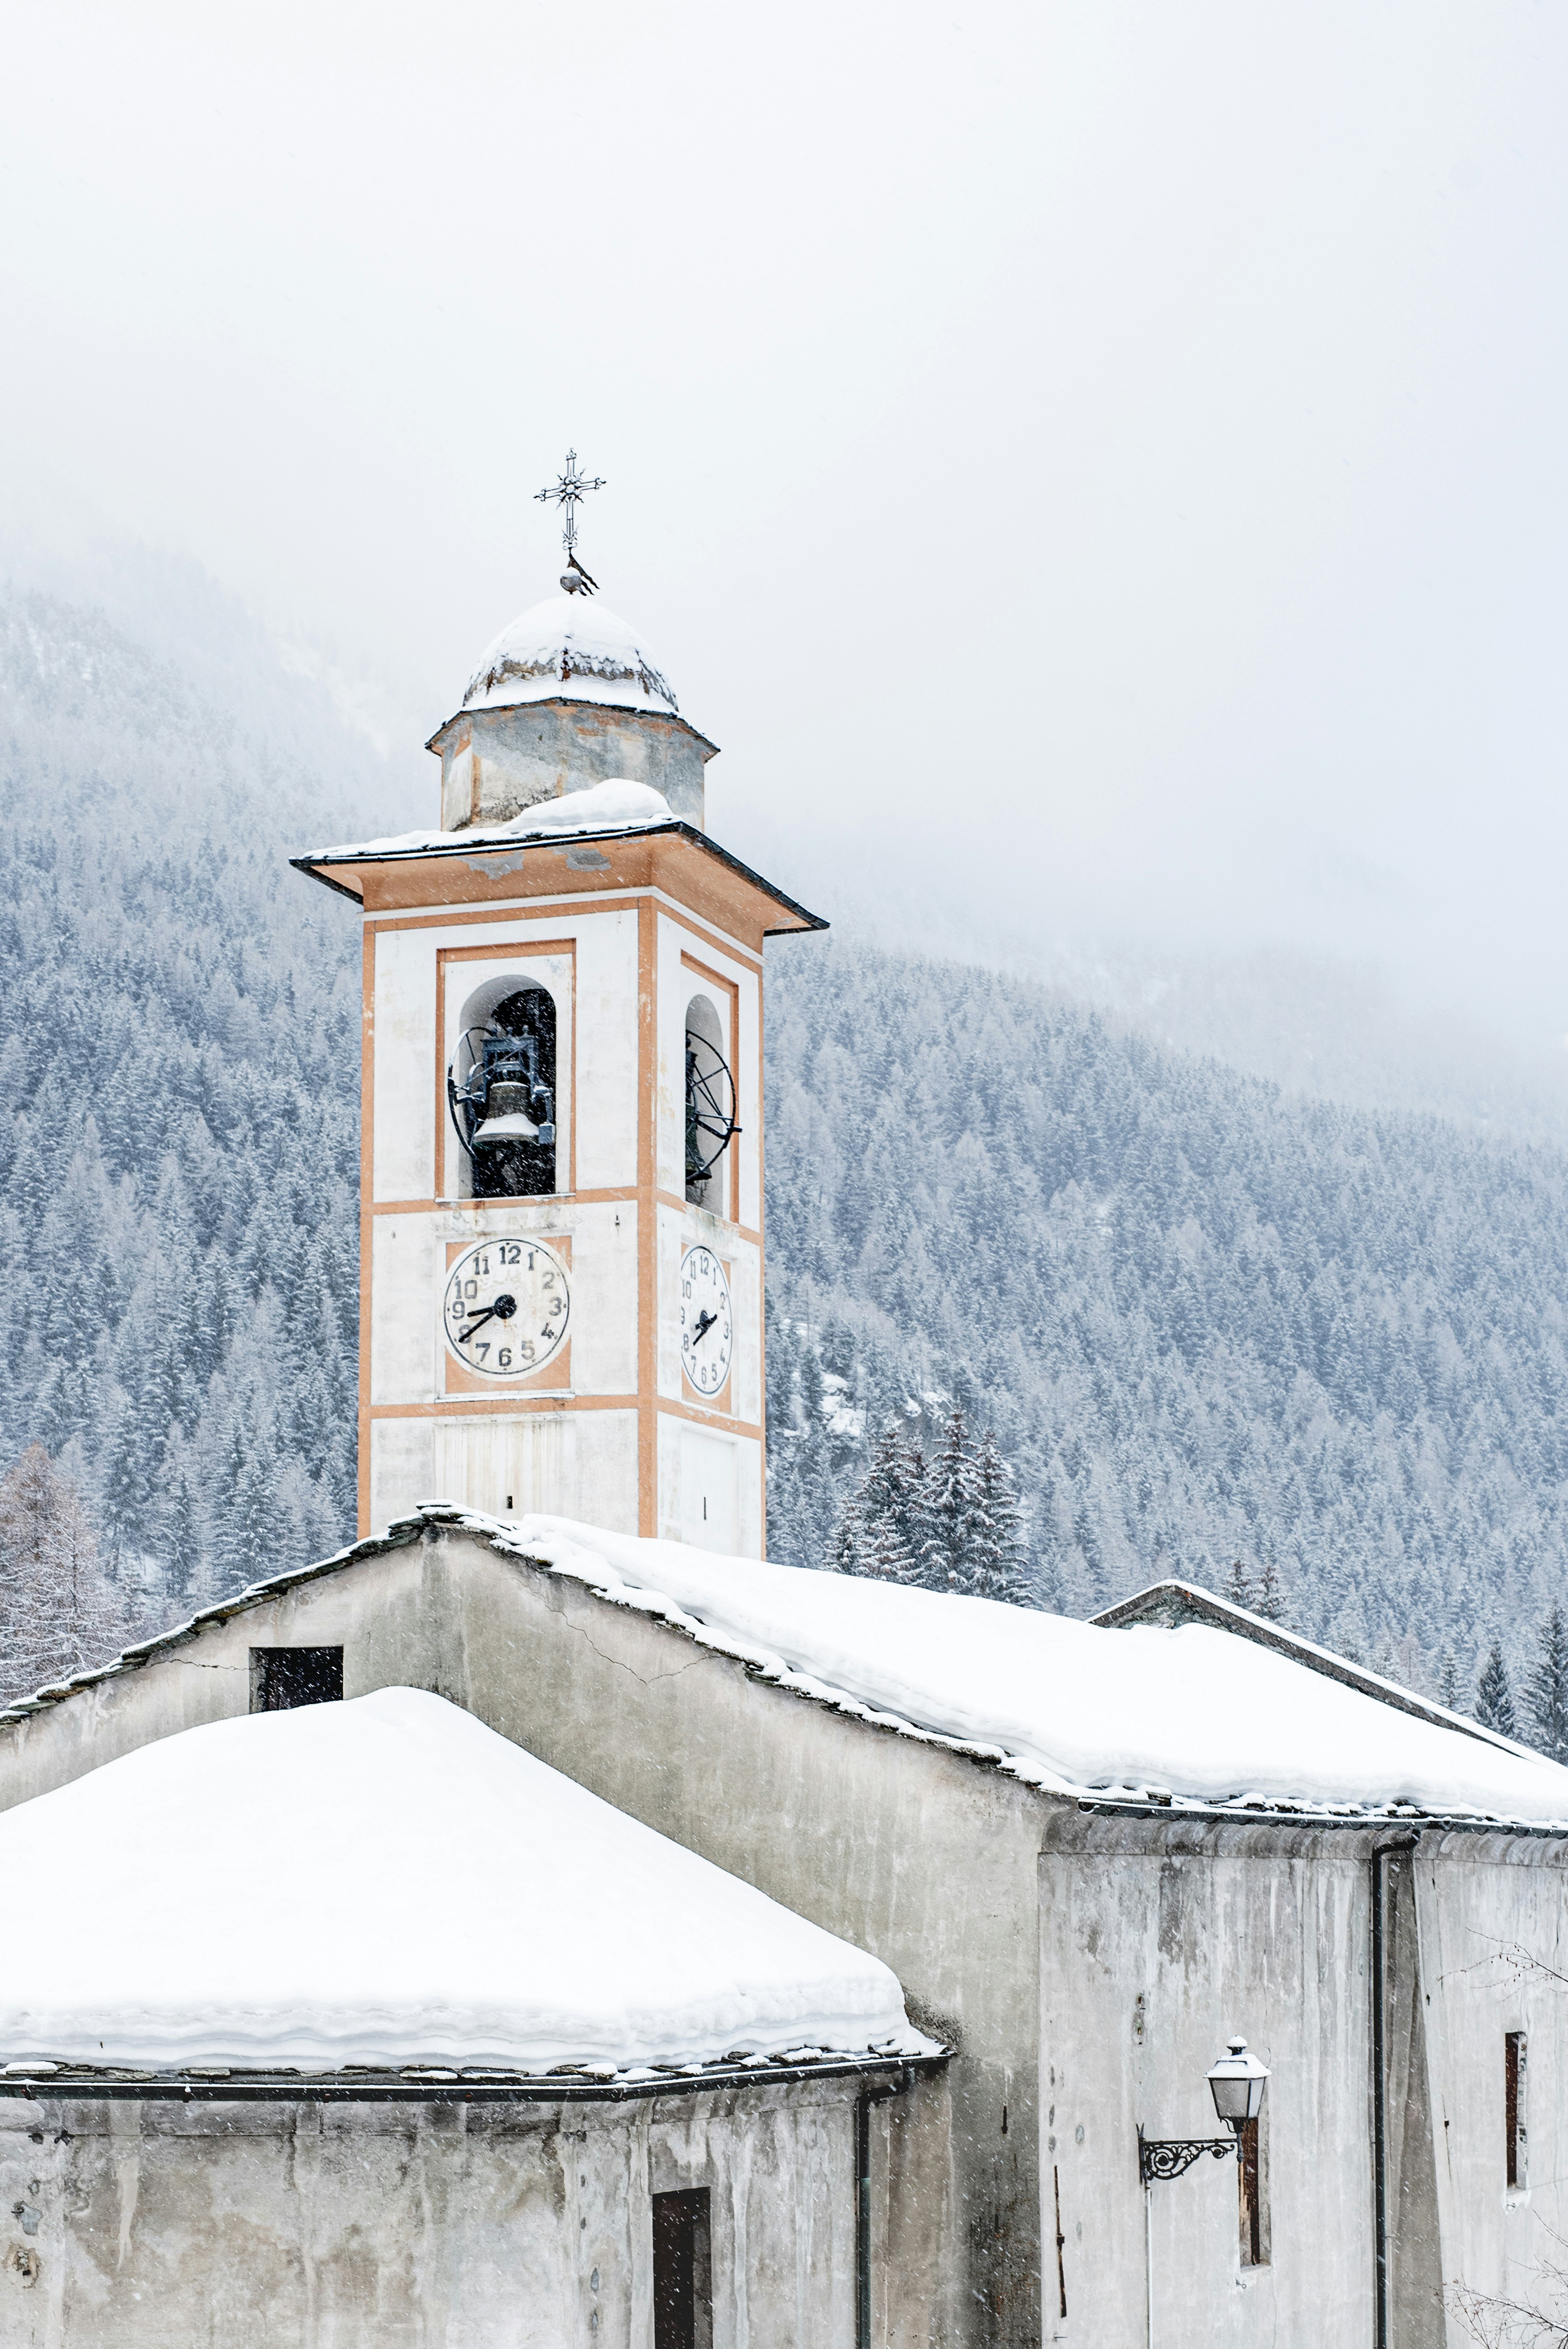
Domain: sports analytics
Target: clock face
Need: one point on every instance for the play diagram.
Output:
(506, 1308)
(708, 1324)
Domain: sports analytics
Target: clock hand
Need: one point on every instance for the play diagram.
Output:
(705, 1322)
(503, 1309)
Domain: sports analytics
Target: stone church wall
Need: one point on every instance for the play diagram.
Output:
(166, 2225)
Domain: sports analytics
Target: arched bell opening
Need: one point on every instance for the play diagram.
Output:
(500, 1088)
(710, 1126)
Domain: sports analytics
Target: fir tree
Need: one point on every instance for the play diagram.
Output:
(880, 1531)
(56, 1612)
(1493, 1698)
(1546, 1687)
(1448, 1682)
(1238, 1589)
(1268, 1599)
(953, 1497)
(995, 1559)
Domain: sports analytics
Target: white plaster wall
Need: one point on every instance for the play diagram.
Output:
(160, 2225)
(748, 1095)
(578, 1464)
(683, 1468)
(403, 1157)
(1494, 1950)
(402, 1467)
(1150, 1961)
(604, 1299)
(607, 1027)
(406, 1272)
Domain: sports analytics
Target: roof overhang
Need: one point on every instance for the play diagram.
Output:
(467, 716)
(435, 2084)
(463, 867)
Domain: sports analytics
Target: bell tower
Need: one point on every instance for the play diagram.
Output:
(561, 1189)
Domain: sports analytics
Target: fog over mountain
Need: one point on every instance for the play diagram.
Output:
(1209, 1316)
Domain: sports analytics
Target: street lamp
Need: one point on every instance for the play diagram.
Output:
(1236, 2084)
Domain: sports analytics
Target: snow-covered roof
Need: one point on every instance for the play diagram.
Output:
(572, 645)
(1194, 1715)
(618, 806)
(387, 1879)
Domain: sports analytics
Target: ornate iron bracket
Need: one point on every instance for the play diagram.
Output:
(1171, 2157)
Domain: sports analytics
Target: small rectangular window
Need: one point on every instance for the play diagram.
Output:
(683, 2277)
(282, 1678)
(1253, 2188)
(1514, 2079)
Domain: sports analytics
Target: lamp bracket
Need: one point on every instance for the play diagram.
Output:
(1171, 2157)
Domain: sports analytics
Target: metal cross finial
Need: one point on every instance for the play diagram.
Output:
(569, 490)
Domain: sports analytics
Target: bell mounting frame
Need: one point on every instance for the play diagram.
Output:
(711, 1125)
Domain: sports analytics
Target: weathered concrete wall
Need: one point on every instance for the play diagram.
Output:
(391, 1615)
(1493, 1925)
(160, 2225)
(1160, 1941)
(496, 763)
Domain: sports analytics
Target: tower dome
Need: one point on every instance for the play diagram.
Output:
(564, 698)
(569, 645)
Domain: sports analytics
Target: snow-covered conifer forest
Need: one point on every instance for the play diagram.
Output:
(1213, 1328)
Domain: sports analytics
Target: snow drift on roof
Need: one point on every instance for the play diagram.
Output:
(569, 645)
(384, 1879)
(617, 806)
(1195, 1712)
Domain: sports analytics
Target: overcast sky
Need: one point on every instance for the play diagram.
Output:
(1110, 458)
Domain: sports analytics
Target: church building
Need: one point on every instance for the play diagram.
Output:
(548, 1921)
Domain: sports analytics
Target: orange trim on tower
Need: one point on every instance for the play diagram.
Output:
(366, 1178)
(647, 1218)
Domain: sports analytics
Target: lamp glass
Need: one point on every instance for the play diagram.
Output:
(1237, 2083)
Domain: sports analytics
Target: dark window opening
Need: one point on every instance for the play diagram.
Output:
(501, 1089)
(283, 1678)
(1253, 2189)
(683, 2280)
(710, 1126)
(1513, 2078)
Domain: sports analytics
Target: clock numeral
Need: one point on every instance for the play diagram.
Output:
(512, 1253)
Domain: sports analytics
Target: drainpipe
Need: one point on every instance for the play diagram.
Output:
(1379, 1988)
(863, 2103)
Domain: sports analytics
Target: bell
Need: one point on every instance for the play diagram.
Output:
(511, 1127)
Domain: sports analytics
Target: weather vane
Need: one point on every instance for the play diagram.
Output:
(569, 488)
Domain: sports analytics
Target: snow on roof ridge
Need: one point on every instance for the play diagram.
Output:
(1155, 1604)
(557, 1545)
(563, 1545)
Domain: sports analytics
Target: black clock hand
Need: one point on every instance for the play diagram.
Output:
(705, 1322)
(503, 1309)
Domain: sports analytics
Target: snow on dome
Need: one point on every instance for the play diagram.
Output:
(1197, 1712)
(570, 644)
(385, 1881)
(618, 804)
